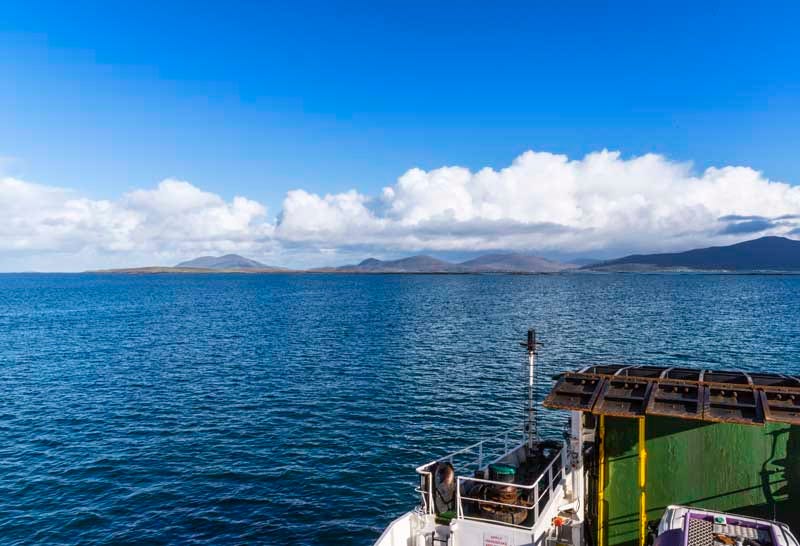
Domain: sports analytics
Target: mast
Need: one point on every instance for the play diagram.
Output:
(530, 346)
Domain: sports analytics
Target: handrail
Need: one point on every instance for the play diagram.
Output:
(498, 503)
(479, 445)
(539, 492)
(427, 505)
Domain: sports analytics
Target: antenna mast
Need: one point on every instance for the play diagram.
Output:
(530, 346)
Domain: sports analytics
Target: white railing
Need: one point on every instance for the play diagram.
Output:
(546, 485)
(486, 450)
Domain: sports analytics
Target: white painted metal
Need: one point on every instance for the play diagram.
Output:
(418, 528)
(531, 361)
(576, 484)
(410, 529)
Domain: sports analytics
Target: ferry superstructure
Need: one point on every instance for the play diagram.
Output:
(651, 455)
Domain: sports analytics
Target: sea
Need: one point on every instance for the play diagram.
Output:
(293, 408)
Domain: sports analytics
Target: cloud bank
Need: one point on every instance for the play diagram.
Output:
(545, 201)
(542, 202)
(173, 219)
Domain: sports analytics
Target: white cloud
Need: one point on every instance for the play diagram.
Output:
(541, 202)
(177, 215)
(174, 219)
(545, 201)
(309, 217)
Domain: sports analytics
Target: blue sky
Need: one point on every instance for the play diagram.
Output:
(255, 99)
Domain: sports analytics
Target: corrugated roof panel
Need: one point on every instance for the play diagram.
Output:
(575, 392)
(642, 371)
(623, 397)
(732, 405)
(684, 374)
(780, 406)
(774, 380)
(676, 400)
(733, 378)
(606, 369)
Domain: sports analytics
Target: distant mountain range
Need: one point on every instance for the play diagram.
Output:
(228, 261)
(488, 263)
(763, 254)
(521, 263)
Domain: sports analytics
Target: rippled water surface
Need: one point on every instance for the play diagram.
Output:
(292, 409)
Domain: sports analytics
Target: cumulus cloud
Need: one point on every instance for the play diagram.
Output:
(547, 201)
(309, 217)
(174, 218)
(542, 202)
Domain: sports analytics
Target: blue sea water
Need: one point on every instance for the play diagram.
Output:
(292, 409)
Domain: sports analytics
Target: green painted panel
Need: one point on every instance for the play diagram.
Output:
(745, 469)
(722, 466)
(622, 482)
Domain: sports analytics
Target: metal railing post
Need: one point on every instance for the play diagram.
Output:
(536, 502)
(431, 509)
(459, 511)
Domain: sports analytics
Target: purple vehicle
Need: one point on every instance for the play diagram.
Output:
(686, 526)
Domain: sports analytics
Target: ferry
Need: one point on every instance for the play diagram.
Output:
(650, 455)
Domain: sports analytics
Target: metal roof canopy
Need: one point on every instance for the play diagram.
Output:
(685, 393)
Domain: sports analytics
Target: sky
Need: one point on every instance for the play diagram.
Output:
(320, 133)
